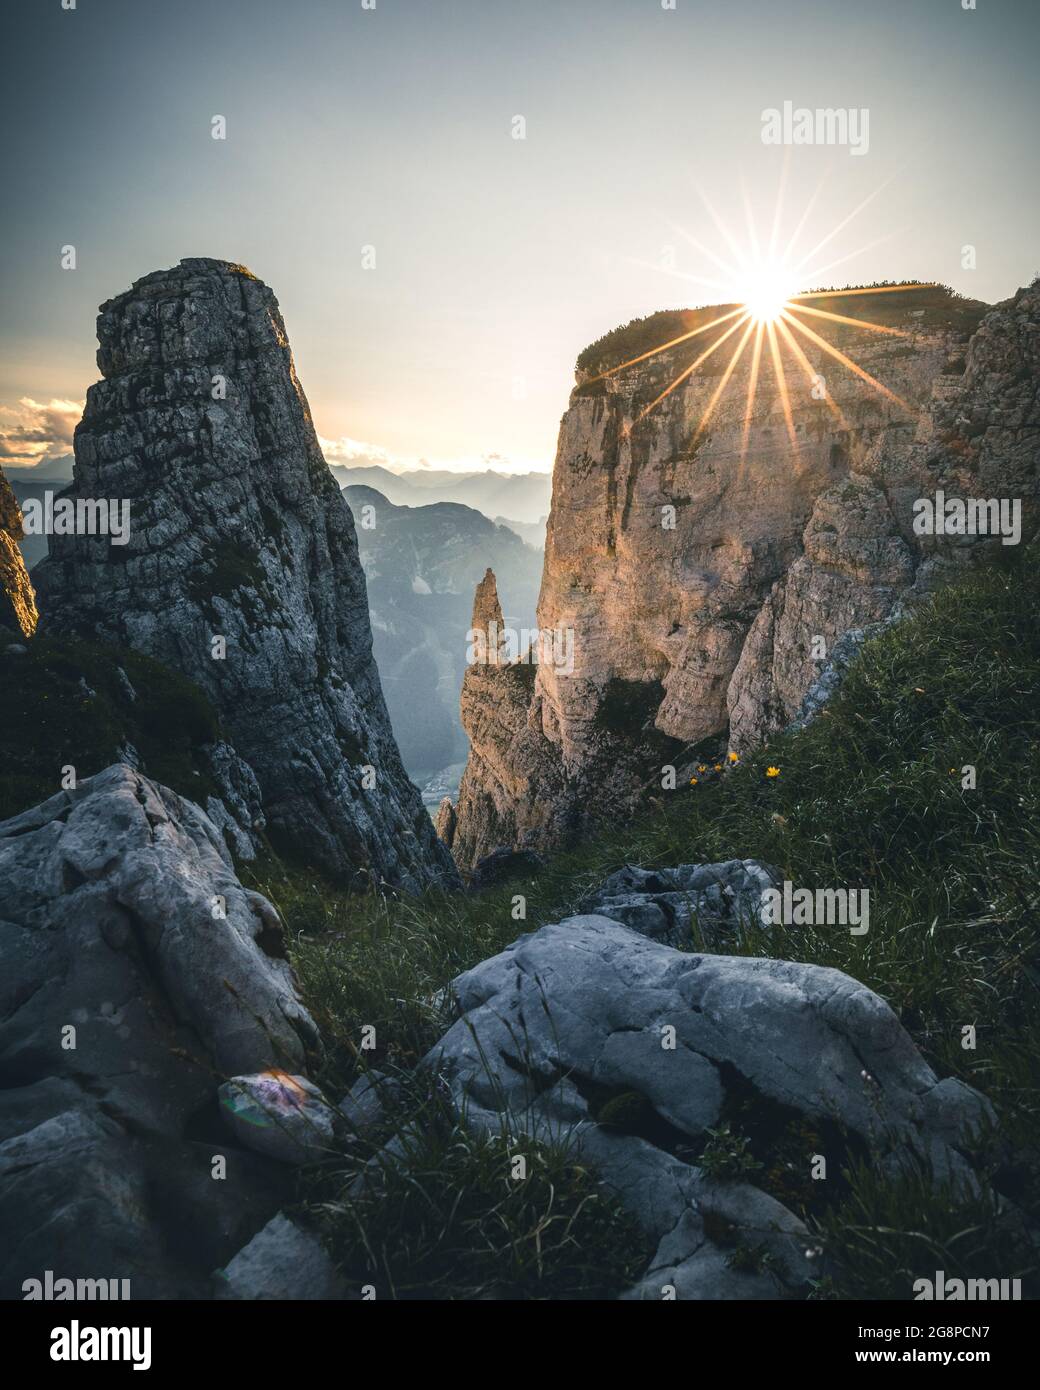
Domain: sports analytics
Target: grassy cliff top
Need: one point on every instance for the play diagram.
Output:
(931, 307)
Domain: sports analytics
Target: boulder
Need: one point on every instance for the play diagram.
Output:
(365, 1104)
(283, 1116)
(720, 901)
(138, 973)
(588, 1008)
(282, 1262)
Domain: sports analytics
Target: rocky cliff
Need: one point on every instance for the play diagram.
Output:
(705, 554)
(241, 568)
(17, 600)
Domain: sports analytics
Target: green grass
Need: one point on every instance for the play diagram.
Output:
(892, 1231)
(461, 1215)
(869, 796)
(62, 703)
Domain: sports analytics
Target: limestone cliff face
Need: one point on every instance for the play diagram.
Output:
(977, 438)
(696, 562)
(17, 599)
(242, 567)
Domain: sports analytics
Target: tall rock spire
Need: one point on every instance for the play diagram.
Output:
(488, 636)
(241, 566)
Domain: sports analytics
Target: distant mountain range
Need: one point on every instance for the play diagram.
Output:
(51, 471)
(520, 497)
(34, 548)
(30, 484)
(533, 532)
(422, 565)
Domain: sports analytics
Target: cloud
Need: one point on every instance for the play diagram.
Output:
(31, 432)
(356, 453)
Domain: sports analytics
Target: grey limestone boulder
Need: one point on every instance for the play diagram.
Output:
(283, 1116)
(588, 1007)
(720, 900)
(283, 1261)
(138, 973)
(366, 1103)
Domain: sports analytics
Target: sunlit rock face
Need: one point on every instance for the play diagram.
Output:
(17, 599)
(241, 568)
(698, 549)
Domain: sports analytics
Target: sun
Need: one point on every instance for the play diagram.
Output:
(768, 292)
(771, 321)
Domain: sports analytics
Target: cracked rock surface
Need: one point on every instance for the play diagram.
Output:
(138, 973)
(239, 533)
(588, 1006)
(720, 900)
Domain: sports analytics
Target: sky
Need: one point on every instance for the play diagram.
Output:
(497, 259)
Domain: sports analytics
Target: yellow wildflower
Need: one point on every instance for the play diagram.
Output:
(772, 772)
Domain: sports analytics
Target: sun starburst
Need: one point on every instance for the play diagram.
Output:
(773, 319)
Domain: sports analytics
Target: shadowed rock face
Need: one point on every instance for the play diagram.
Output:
(695, 573)
(238, 531)
(17, 600)
(109, 928)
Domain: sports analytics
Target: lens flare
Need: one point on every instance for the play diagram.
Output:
(768, 293)
(763, 284)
